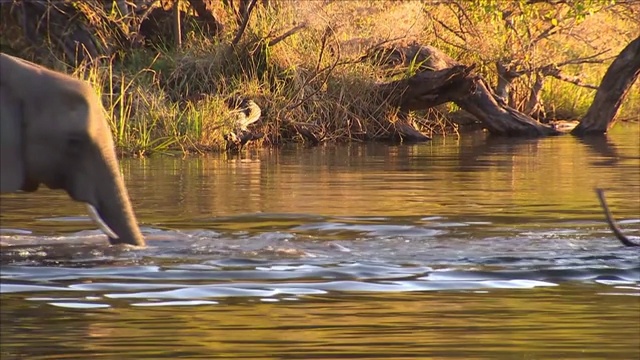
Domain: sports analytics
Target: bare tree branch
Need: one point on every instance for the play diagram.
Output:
(245, 21)
(328, 70)
(591, 59)
(287, 33)
(611, 222)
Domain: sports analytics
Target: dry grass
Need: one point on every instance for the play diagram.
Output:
(164, 99)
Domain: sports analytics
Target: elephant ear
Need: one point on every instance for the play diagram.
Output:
(12, 167)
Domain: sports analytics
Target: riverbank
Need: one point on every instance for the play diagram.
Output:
(314, 69)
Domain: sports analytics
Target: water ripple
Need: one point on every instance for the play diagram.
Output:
(309, 256)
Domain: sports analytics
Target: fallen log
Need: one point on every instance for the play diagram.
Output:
(443, 79)
(424, 90)
(498, 117)
(404, 131)
(428, 88)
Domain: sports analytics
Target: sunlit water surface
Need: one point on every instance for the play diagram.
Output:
(472, 248)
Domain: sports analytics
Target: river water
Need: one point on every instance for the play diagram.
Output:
(470, 248)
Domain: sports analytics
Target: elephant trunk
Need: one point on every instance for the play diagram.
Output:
(114, 208)
(118, 215)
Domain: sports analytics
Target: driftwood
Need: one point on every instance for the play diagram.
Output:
(443, 79)
(424, 90)
(615, 85)
(309, 132)
(612, 223)
(498, 117)
(404, 131)
(429, 88)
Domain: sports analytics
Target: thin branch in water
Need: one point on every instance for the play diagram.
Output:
(612, 223)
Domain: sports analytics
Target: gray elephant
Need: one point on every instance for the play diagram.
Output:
(53, 132)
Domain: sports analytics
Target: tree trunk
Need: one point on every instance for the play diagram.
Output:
(613, 89)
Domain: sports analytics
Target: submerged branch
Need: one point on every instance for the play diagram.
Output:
(611, 221)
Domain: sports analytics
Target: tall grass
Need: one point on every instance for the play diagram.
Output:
(163, 99)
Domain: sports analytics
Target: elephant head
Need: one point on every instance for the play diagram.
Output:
(53, 132)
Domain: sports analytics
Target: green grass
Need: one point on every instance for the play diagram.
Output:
(162, 99)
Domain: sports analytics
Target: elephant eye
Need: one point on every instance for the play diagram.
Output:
(76, 142)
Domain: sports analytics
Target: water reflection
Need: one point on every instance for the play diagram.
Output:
(460, 248)
(550, 323)
(448, 177)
